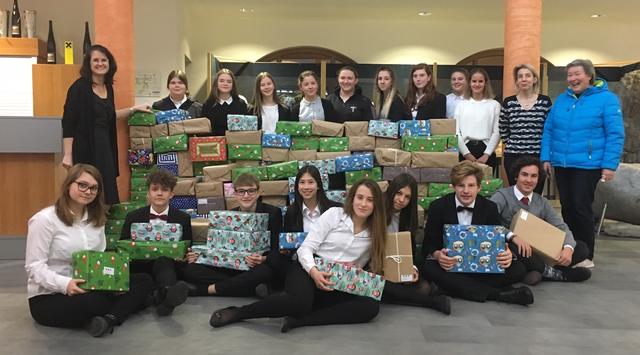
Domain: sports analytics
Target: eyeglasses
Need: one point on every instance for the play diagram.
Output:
(243, 192)
(83, 186)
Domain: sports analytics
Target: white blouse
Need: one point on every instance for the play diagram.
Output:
(478, 120)
(309, 217)
(50, 244)
(311, 110)
(269, 118)
(333, 238)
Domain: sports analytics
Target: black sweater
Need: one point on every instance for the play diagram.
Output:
(398, 111)
(217, 113)
(435, 108)
(357, 108)
(193, 107)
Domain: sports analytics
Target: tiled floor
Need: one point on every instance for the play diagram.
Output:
(601, 316)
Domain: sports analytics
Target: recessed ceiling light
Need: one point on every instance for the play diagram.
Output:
(245, 10)
(424, 13)
(598, 15)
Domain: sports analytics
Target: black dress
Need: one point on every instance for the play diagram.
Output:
(103, 157)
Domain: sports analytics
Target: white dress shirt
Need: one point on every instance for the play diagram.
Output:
(227, 101)
(394, 226)
(465, 217)
(158, 220)
(478, 120)
(178, 103)
(520, 195)
(333, 238)
(269, 118)
(452, 102)
(50, 244)
(311, 110)
(309, 217)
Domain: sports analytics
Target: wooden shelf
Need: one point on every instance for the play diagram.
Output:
(23, 47)
(50, 85)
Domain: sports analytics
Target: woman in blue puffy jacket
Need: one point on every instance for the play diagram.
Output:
(582, 139)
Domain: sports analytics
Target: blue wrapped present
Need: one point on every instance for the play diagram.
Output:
(475, 247)
(167, 158)
(172, 116)
(228, 259)
(383, 128)
(242, 123)
(291, 240)
(171, 168)
(337, 195)
(165, 232)
(328, 165)
(251, 242)
(273, 140)
(184, 202)
(354, 162)
(292, 197)
(420, 128)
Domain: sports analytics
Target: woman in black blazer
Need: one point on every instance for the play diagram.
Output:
(223, 101)
(422, 100)
(178, 96)
(266, 104)
(312, 106)
(387, 104)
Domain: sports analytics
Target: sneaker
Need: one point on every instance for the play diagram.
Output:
(585, 263)
(575, 274)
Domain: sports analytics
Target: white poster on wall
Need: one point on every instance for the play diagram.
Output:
(16, 86)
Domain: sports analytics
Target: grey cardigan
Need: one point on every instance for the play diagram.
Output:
(508, 206)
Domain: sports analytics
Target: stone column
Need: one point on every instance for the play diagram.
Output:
(114, 29)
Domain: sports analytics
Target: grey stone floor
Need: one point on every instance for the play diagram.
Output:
(600, 316)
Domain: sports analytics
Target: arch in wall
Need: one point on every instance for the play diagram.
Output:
(306, 54)
(493, 56)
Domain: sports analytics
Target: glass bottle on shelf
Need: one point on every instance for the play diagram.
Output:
(16, 26)
(51, 46)
(86, 44)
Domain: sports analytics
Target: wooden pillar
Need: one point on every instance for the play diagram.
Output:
(522, 34)
(114, 30)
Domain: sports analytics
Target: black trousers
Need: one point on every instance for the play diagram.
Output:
(577, 188)
(58, 310)
(536, 263)
(408, 294)
(509, 159)
(162, 270)
(476, 148)
(310, 305)
(473, 287)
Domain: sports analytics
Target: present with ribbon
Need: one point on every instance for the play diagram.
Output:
(398, 257)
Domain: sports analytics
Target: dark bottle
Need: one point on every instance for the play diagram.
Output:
(51, 45)
(86, 44)
(16, 25)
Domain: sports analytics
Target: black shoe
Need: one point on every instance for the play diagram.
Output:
(192, 289)
(576, 274)
(224, 316)
(440, 303)
(164, 310)
(521, 295)
(289, 323)
(176, 295)
(99, 326)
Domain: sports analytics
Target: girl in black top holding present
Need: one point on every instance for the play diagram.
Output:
(422, 100)
(348, 100)
(178, 96)
(387, 104)
(223, 101)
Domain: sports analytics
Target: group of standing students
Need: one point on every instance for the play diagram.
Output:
(581, 136)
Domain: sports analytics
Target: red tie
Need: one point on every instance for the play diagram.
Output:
(525, 200)
(156, 216)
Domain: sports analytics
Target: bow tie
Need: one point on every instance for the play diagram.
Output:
(464, 208)
(157, 216)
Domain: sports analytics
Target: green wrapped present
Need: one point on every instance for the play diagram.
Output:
(111, 241)
(120, 210)
(489, 186)
(304, 143)
(424, 144)
(374, 174)
(333, 144)
(139, 197)
(258, 171)
(176, 143)
(105, 271)
(140, 171)
(425, 202)
(142, 118)
(294, 128)
(438, 189)
(139, 184)
(282, 171)
(153, 250)
(113, 226)
(244, 151)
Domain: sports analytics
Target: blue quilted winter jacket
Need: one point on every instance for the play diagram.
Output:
(584, 132)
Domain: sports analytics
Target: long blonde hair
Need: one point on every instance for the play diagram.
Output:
(381, 101)
(256, 102)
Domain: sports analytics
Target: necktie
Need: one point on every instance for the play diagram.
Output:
(464, 208)
(157, 216)
(525, 200)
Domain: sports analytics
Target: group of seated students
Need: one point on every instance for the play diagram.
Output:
(289, 283)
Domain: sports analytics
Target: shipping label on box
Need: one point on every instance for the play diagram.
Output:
(165, 232)
(242, 122)
(250, 242)
(544, 238)
(398, 257)
(475, 247)
(239, 221)
(420, 128)
(103, 271)
(351, 279)
(291, 240)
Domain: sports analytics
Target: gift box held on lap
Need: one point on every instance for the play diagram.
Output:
(282, 170)
(475, 247)
(160, 232)
(351, 279)
(223, 258)
(245, 151)
(419, 128)
(242, 122)
(544, 238)
(354, 162)
(104, 271)
(151, 250)
(171, 143)
(238, 221)
(250, 242)
(374, 174)
(291, 240)
(271, 140)
(208, 148)
(398, 257)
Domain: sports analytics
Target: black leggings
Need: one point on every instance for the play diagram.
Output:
(476, 148)
(163, 270)
(310, 305)
(58, 310)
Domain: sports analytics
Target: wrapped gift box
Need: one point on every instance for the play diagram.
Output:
(398, 257)
(258, 171)
(159, 130)
(282, 170)
(140, 143)
(139, 184)
(248, 163)
(172, 115)
(351, 279)
(159, 232)
(388, 143)
(383, 128)
(489, 186)
(424, 144)
(292, 182)
(423, 189)
(384, 185)
(356, 128)
(294, 128)
(242, 123)
(434, 160)
(185, 165)
(231, 203)
(392, 157)
(192, 126)
(171, 168)
(333, 144)
(223, 258)
(275, 154)
(245, 151)
(275, 188)
(218, 173)
(244, 137)
(327, 166)
(239, 221)
(250, 242)
(208, 148)
(185, 187)
(277, 201)
(291, 240)
(142, 171)
(544, 238)
(361, 143)
(435, 175)
(390, 172)
(437, 189)
(354, 162)
(114, 226)
(152, 250)
(304, 143)
(374, 174)
(199, 230)
(487, 171)
(142, 119)
(326, 128)
(111, 241)
(171, 143)
(452, 140)
(184, 202)
(209, 189)
(273, 140)
(331, 155)
(140, 157)
(104, 271)
(167, 158)
(208, 204)
(120, 210)
(475, 247)
(439, 126)
(420, 128)
(228, 189)
(139, 132)
(138, 197)
(337, 195)
(425, 202)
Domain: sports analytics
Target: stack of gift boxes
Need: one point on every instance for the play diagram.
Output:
(151, 241)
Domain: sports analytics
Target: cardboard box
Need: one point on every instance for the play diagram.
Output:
(392, 157)
(185, 187)
(356, 128)
(278, 201)
(302, 154)
(275, 188)
(442, 126)
(487, 171)
(398, 257)
(218, 173)
(435, 175)
(199, 229)
(331, 155)
(326, 128)
(388, 143)
(160, 130)
(209, 189)
(140, 143)
(545, 239)
(244, 137)
(185, 165)
(434, 160)
(390, 172)
(192, 126)
(247, 163)
(231, 203)
(362, 143)
(275, 154)
(423, 189)
(139, 132)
